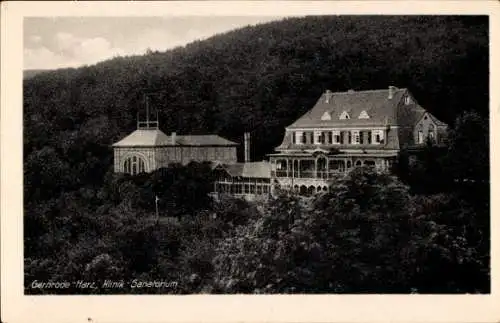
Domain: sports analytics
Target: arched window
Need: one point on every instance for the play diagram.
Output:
(134, 165)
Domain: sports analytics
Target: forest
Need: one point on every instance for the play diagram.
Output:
(423, 229)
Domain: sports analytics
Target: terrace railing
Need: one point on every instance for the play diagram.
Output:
(323, 174)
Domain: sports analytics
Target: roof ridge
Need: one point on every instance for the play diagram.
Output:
(364, 91)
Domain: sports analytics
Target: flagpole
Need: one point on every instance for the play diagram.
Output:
(157, 213)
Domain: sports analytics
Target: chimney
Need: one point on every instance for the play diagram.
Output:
(173, 136)
(246, 143)
(328, 95)
(392, 89)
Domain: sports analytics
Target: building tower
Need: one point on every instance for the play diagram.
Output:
(136, 153)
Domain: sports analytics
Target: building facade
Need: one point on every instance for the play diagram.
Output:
(148, 148)
(350, 129)
(249, 180)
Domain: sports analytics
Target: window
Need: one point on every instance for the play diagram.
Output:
(407, 100)
(134, 165)
(322, 138)
(355, 134)
(336, 137)
(363, 115)
(281, 164)
(317, 136)
(330, 137)
(304, 138)
(311, 137)
(349, 137)
(420, 138)
(420, 134)
(369, 137)
(344, 116)
(294, 140)
(378, 136)
(326, 116)
(431, 132)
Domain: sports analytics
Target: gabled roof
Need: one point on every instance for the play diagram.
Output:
(260, 169)
(438, 123)
(376, 103)
(204, 140)
(156, 137)
(153, 137)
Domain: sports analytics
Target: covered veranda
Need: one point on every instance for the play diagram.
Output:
(321, 166)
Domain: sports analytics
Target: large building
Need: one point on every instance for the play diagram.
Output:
(148, 148)
(350, 129)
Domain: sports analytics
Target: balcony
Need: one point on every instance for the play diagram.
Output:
(309, 174)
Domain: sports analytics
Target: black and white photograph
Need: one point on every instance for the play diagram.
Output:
(263, 154)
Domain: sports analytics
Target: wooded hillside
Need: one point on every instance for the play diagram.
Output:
(261, 78)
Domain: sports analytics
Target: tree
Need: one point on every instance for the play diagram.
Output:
(469, 137)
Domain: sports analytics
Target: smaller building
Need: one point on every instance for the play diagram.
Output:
(249, 180)
(148, 148)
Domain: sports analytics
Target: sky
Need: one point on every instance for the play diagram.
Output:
(57, 42)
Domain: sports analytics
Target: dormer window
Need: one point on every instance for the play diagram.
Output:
(407, 100)
(344, 116)
(363, 115)
(326, 116)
